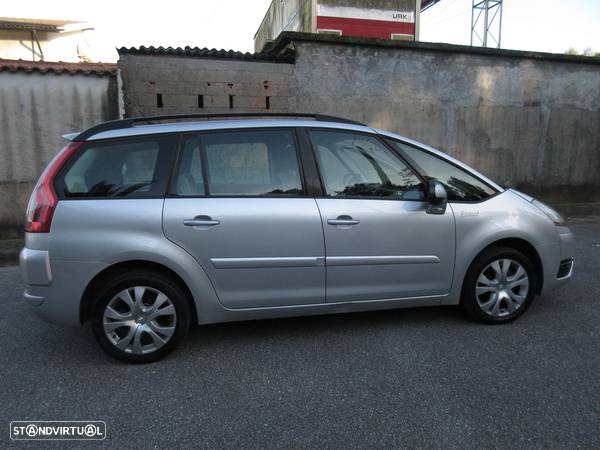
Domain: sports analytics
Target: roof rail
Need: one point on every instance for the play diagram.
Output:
(130, 122)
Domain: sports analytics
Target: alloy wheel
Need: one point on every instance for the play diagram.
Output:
(139, 320)
(502, 287)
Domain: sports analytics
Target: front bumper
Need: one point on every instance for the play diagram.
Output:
(565, 270)
(567, 254)
(558, 260)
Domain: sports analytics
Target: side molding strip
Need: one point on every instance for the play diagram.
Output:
(315, 261)
(377, 260)
(258, 263)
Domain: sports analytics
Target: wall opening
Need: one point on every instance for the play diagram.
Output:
(231, 102)
(159, 101)
(200, 101)
(268, 102)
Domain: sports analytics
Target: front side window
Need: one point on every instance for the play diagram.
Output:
(240, 163)
(357, 165)
(121, 168)
(460, 185)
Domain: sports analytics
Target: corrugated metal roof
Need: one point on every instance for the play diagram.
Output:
(50, 25)
(26, 26)
(40, 21)
(12, 65)
(196, 52)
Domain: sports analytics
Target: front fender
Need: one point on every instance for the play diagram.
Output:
(504, 216)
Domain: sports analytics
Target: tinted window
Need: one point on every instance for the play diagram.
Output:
(121, 168)
(252, 163)
(356, 165)
(461, 186)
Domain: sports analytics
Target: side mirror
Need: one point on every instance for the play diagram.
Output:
(437, 197)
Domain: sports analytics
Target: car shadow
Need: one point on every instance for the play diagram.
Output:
(323, 325)
(61, 344)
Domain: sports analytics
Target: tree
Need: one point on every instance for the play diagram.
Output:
(586, 52)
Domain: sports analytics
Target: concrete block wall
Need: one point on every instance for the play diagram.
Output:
(180, 80)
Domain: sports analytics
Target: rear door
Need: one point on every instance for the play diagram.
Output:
(381, 241)
(238, 205)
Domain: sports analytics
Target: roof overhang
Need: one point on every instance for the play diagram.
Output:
(425, 4)
(29, 24)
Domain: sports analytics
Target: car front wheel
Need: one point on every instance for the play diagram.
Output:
(499, 286)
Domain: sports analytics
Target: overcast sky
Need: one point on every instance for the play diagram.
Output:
(542, 25)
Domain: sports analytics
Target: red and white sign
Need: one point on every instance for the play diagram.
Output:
(365, 22)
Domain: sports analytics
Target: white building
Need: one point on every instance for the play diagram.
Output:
(45, 40)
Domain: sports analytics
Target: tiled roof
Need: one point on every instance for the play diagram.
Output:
(196, 52)
(12, 65)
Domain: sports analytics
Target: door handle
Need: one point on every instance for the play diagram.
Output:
(201, 221)
(343, 220)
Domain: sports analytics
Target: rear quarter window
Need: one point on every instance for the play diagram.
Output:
(118, 168)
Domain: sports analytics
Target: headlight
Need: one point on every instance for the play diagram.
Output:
(552, 215)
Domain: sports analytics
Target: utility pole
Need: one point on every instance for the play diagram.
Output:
(487, 29)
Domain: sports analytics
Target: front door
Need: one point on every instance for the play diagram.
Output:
(238, 206)
(381, 242)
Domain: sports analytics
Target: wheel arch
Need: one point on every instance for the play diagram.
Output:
(87, 298)
(524, 247)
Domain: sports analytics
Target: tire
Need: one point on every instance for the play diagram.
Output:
(495, 290)
(140, 316)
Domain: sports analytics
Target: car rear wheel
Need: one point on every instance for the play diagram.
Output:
(140, 316)
(499, 286)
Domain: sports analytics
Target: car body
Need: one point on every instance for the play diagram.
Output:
(296, 247)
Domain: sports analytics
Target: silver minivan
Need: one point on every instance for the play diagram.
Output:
(147, 226)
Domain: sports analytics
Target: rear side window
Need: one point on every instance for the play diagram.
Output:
(460, 185)
(118, 168)
(239, 163)
(356, 165)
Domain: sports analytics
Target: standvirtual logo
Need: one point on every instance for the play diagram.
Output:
(58, 430)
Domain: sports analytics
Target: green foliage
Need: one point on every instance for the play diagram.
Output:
(586, 52)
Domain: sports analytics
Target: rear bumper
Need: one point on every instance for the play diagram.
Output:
(33, 300)
(54, 288)
(35, 267)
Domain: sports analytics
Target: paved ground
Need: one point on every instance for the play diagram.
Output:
(411, 378)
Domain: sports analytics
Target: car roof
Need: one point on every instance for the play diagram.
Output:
(210, 125)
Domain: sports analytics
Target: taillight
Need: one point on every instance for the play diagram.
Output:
(43, 200)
